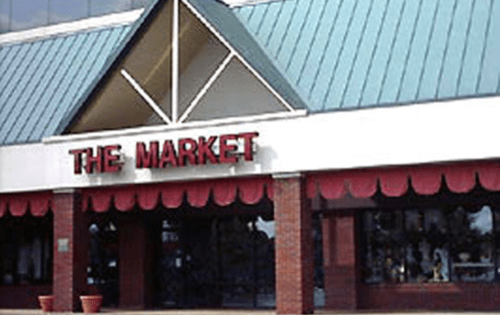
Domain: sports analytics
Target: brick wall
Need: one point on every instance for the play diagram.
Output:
(339, 260)
(431, 296)
(22, 295)
(294, 248)
(70, 267)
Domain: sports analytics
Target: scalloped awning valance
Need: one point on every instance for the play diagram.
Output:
(359, 183)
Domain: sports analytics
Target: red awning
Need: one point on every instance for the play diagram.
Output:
(395, 181)
(171, 195)
(38, 203)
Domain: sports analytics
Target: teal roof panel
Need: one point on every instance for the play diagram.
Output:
(42, 80)
(362, 53)
(232, 30)
(490, 67)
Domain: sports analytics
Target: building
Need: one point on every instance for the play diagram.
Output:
(264, 154)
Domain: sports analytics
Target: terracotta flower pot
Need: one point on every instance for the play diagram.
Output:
(91, 303)
(46, 302)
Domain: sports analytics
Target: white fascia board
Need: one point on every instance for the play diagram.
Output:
(460, 130)
(115, 19)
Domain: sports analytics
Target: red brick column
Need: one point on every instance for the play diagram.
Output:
(339, 259)
(294, 247)
(71, 251)
(136, 262)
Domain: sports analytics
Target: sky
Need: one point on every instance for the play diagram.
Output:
(32, 13)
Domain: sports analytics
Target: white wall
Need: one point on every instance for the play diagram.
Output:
(446, 131)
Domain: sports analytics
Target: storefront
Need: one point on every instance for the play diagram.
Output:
(200, 156)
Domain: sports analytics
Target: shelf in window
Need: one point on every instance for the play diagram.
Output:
(472, 265)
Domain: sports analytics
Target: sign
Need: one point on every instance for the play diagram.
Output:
(224, 149)
(63, 245)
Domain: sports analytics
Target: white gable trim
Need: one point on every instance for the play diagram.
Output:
(207, 86)
(145, 96)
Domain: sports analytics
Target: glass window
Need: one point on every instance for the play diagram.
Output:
(25, 250)
(430, 245)
(496, 242)
(29, 14)
(427, 250)
(384, 243)
(101, 7)
(472, 245)
(4, 16)
(64, 10)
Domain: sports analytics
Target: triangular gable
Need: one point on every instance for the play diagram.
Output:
(143, 65)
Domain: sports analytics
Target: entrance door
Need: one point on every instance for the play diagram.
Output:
(216, 261)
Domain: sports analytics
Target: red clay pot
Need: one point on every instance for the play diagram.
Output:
(46, 302)
(91, 303)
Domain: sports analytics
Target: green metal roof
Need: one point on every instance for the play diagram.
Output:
(225, 22)
(360, 53)
(318, 54)
(42, 80)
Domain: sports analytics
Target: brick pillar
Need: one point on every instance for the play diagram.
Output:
(71, 251)
(294, 247)
(339, 259)
(136, 262)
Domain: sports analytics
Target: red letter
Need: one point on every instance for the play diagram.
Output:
(145, 159)
(248, 137)
(187, 152)
(91, 160)
(168, 155)
(205, 151)
(78, 160)
(225, 149)
(111, 164)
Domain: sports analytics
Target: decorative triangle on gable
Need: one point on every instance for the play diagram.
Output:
(214, 80)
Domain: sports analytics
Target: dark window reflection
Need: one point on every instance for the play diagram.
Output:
(25, 250)
(29, 13)
(217, 262)
(472, 245)
(103, 269)
(429, 245)
(427, 250)
(384, 244)
(64, 10)
(101, 7)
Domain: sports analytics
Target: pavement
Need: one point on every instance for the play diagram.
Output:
(236, 312)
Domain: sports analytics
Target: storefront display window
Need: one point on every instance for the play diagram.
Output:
(472, 246)
(25, 251)
(428, 245)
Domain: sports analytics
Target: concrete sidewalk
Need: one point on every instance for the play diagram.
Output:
(235, 312)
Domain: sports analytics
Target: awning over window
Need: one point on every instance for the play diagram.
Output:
(37, 203)
(170, 195)
(395, 181)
